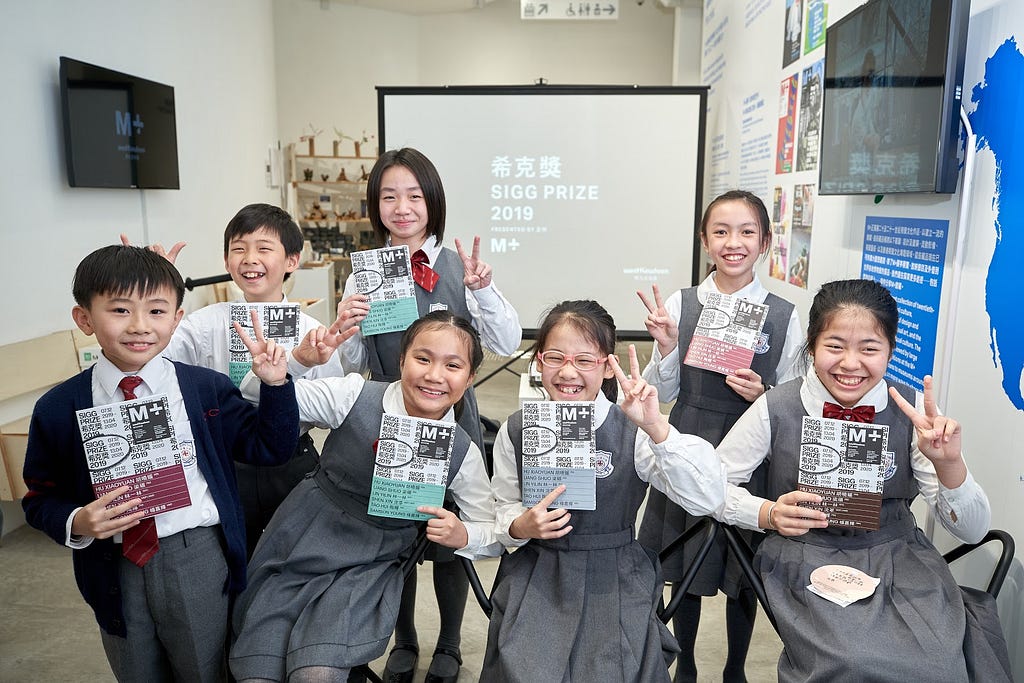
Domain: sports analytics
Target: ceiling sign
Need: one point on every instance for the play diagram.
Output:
(568, 10)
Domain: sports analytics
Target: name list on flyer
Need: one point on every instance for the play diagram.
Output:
(411, 466)
(132, 443)
(728, 331)
(385, 276)
(279, 322)
(559, 448)
(845, 463)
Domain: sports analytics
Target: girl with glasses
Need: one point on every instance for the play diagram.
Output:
(577, 599)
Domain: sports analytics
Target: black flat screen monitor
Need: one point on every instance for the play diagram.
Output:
(119, 130)
(893, 81)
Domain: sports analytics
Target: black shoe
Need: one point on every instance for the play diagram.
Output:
(398, 669)
(448, 677)
(357, 674)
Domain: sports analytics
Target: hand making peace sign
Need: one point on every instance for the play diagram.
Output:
(478, 273)
(938, 436)
(664, 330)
(269, 360)
(640, 403)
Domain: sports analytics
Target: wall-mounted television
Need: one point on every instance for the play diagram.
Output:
(893, 82)
(119, 130)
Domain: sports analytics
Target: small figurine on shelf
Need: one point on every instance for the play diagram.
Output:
(324, 177)
(365, 175)
(307, 173)
(311, 138)
(316, 213)
(342, 178)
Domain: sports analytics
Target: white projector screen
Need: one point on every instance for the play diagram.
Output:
(577, 192)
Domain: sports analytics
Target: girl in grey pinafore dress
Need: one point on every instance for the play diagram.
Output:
(582, 606)
(915, 626)
(325, 581)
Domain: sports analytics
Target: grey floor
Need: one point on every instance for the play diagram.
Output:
(47, 632)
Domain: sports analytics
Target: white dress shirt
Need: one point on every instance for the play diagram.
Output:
(158, 377)
(663, 373)
(490, 312)
(683, 467)
(203, 335)
(326, 403)
(963, 511)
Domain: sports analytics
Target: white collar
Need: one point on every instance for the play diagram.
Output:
(430, 247)
(754, 291)
(154, 374)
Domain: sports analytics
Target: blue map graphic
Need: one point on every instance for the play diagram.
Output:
(999, 99)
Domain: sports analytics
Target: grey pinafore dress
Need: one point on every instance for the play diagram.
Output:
(914, 627)
(325, 582)
(582, 608)
(708, 408)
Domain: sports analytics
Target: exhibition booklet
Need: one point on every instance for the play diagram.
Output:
(411, 466)
(132, 443)
(728, 331)
(279, 322)
(846, 463)
(559, 448)
(385, 276)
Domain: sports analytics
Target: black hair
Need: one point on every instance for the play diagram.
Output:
(118, 269)
(430, 185)
(850, 295)
(754, 203)
(591, 320)
(276, 220)
(438, 320)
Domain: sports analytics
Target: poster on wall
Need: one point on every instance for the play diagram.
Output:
(787, 125)
(814, 27)
(794, 25)
(907, 256)
(755, 144)
(777, 259)
(800, 240)
(810, 116)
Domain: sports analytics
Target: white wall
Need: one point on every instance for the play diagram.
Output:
(329, 61)
(218, 55)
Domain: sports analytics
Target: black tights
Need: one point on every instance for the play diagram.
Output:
(739, 627)
(451, 586)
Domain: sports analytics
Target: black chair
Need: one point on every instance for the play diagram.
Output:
(744, 555)
(665, 612)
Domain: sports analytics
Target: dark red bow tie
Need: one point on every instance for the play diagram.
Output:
(422, 274)
(857, 414)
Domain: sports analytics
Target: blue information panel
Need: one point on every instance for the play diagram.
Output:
(907, 255)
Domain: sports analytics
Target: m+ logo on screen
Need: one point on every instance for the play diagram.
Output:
(124, 123)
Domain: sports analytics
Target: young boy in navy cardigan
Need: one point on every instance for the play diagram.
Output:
(160, 587)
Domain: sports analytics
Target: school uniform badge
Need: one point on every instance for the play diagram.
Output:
(762, 345)
(603, 464)
(188, 453)
(888, 465)
(438, 307)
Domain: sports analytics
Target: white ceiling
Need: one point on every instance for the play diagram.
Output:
(414, 6)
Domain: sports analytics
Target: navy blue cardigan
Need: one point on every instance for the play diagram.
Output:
(225, 428)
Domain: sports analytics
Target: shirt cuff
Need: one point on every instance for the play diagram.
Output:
(487, 297)
(71, 541)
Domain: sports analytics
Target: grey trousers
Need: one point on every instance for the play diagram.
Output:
(176, 612)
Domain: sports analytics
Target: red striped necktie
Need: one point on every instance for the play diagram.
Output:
(423, 274)
(139, 543)
(858, 414)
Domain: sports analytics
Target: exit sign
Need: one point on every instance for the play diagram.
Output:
(568, 10)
